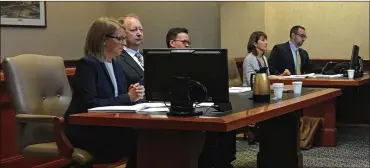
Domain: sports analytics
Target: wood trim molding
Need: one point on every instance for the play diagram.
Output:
(318, 62)
(70, 71)
(67, 63)
(70, 63)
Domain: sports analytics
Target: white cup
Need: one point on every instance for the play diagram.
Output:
(351, 73)
(278, 90)
(297, 87)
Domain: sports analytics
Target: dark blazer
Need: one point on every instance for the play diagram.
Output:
(132, 70)
(93, 87)
(281, 58)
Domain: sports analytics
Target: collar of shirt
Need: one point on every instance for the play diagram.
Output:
(292, 46)
(131, 52)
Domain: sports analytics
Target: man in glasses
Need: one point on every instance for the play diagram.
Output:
(289, 55)
(178, 38)
(220, 148)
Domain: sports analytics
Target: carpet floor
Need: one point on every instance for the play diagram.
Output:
(352, 151)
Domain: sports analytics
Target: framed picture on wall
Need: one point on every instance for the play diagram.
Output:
(23, 13)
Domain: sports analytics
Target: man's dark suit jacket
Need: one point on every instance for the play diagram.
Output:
(92, 86)
(281, 58)
(132, 70)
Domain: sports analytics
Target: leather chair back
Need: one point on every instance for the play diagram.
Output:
(234, 77)
(36, 85)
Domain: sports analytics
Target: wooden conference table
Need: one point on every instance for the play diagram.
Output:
(353, 106)
(327, 81)
(167, 142)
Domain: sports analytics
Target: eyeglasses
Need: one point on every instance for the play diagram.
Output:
(302, 35)
(120, 38)
(184, 41)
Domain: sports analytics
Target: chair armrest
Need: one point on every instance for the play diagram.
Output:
(31, 118)
(64, 146)
(235, 82)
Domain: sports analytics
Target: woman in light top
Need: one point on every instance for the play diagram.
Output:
(255, 60)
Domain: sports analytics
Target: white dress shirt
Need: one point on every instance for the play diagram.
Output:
(132, 53)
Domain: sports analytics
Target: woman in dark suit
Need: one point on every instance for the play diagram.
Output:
(99, 81)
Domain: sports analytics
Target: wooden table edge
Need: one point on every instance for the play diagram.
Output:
(220, 124)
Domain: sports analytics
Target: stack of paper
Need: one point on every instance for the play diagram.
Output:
(156, 104)
(160, 105)
(300, 76)
(239, 89)
(328, 76)
(133, 108)
(142, 107)
(159, 109)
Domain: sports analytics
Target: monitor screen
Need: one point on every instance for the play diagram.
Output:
(164, 69)
(354, 57)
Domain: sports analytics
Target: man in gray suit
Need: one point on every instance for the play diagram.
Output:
(131, 59)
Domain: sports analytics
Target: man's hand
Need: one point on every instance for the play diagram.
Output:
(285, 73)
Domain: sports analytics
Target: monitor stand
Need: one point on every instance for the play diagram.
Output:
(185, 109)
(223, 107)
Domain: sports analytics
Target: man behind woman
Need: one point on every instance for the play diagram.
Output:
(100, 81)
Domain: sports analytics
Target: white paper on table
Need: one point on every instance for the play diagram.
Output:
(133, 108)
(156, 104)
(159, 104)
(205, 104)
(159, 109)
(239, 89)
(142, 107)
(328, 76)
(299, 76)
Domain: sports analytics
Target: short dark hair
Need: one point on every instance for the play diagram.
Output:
(294, 30)
(172, 34)
(255, 36)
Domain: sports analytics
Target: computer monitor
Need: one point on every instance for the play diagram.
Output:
(354, 57)
(185, 76)
(355, 62)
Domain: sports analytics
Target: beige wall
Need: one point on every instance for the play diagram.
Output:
(238, 21)
(68, 22)
(201, 18)
(332, 27)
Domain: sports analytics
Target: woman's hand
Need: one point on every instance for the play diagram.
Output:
(136, 92)
(285, 73)
(271, 77)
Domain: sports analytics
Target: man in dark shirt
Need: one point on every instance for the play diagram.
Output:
(178, 38)
(220, 147)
